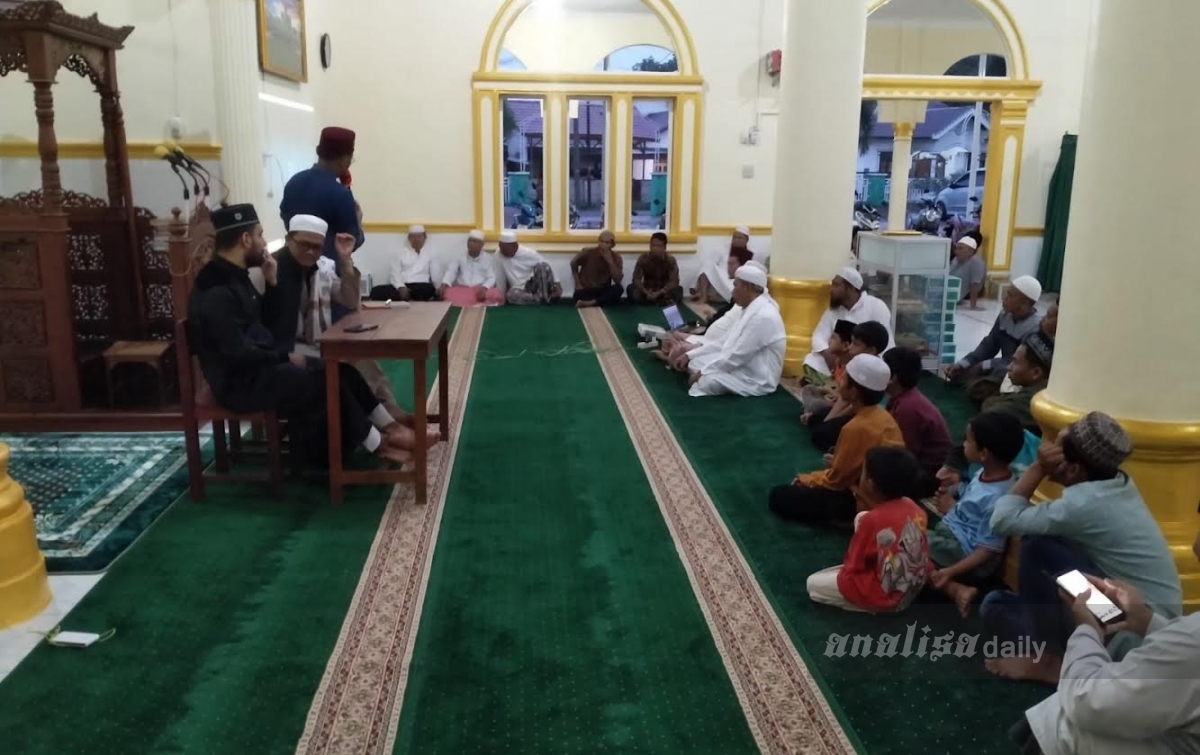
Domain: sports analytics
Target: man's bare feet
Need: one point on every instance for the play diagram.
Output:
(433, 435)
(584, 304)
(661, 355)
(963, 596)
(389, 452)
(1045, 670)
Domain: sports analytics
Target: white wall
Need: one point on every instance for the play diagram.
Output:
(408, 94)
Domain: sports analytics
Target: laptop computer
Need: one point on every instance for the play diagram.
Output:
(674, 318)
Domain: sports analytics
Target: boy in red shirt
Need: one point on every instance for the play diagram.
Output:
(887, 563)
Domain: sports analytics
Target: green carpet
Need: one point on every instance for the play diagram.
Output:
(740, 448)
(226, 614)
(558, 617)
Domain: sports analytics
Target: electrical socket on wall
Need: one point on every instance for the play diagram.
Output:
(747, 171)
(175, 127)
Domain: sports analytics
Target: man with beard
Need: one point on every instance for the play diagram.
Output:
(716, 276)
(847, 301)
(297, 307)
(249, 372)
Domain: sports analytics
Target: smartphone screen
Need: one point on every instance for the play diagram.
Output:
(1101, 607)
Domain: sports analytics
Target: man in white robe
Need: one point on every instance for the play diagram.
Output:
(470, 279)
(847, 301)
(715, 281)
(410, 269)
(1146, 704)
(527, 274)
(750, 361)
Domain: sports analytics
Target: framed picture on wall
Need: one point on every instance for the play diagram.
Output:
(282, 48)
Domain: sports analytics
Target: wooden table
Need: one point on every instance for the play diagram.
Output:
(407, 333)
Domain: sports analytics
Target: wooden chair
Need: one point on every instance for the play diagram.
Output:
(199, 407)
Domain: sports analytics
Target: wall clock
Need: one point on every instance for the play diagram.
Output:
(326, 51)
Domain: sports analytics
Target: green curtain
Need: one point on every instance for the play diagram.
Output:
(1058, 213)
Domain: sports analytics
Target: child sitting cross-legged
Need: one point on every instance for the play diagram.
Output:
(819, 399)
(887, 563)
(962, 546)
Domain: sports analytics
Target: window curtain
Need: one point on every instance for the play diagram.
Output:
(1058, 213)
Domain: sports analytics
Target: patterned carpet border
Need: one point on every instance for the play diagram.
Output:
(356, 708)
(784, 707)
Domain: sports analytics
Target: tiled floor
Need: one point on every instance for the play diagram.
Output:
(68, 589)
(16, 643)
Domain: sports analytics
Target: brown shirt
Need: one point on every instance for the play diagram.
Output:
(594, 271)
(870, 428)
(655, 272)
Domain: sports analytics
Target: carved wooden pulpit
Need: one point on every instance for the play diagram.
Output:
(40, 365)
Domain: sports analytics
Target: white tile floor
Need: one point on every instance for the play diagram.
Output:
(15, 643)
(68, 590)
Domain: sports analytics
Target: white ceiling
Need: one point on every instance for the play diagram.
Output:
(932, 13)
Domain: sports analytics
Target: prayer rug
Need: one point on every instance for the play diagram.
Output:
(893, 702)
(93, 495)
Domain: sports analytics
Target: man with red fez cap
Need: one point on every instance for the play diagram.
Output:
(323, 191)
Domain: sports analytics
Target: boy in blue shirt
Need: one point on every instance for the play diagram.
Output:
(962, 547)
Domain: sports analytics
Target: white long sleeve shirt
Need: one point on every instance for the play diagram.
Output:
(1147, 704)
(751, 358)
(518, 269)
(410, 267)
(466, 270)
(867, 309)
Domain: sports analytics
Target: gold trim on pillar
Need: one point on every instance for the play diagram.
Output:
(902, 130)
(1165, 465)
(1006, 146)
(801, 304)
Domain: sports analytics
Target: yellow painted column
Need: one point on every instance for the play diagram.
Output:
(820, 94)
(1126, 335)
(998, 219)
(901, 167)
(24, 588)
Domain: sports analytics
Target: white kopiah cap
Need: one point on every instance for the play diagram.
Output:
(508, 237)
(308, 223)
(969, 241)
(851, 276)
(752, 274)
(1028, 286)
(742, 229)
(869, 371)
(476, 234)
(415, 229)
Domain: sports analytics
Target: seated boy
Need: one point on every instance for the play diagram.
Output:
(830, 494)
(818, 399)
(887, 563)
(925, 432)
(963, 547)
(866, 338)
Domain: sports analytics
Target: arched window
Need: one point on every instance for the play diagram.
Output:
(510, 62)
(588, 115)
(640, 59)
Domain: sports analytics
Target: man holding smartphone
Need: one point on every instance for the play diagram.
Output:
(1100, 526)
(1148, 702)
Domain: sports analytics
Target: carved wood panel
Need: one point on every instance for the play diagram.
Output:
(19, 264)
(28, 381)
(22, 323)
